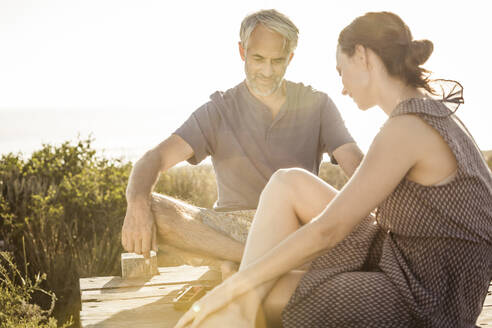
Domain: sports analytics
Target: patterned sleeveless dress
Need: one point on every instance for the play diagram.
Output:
(425, 260)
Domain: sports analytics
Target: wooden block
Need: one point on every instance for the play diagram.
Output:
(136, 266)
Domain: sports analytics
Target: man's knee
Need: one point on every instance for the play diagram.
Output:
(169, 211)
(162, 202)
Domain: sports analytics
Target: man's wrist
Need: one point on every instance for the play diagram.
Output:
(139, 201)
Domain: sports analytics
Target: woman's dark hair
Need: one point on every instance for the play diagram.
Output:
(389, 37)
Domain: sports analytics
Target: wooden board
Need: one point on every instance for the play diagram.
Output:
(116, 302)
(485, 318)
(140, 312)
(167, 276)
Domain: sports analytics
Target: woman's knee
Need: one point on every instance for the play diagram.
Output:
(302, 186)
(289, 179)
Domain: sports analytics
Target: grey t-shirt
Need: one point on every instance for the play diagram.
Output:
(247, 145)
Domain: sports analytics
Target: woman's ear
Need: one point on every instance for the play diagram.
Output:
(361, 55)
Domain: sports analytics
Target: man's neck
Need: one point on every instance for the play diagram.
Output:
(273, 101)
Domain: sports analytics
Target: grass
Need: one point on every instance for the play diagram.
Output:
(16, 292)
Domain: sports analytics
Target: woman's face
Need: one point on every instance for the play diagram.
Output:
(355, 76)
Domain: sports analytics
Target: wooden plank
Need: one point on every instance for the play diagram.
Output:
(488, 299)
(130, 313)
(102, 295)
(485, 318)
(138, 302)
(167, 276)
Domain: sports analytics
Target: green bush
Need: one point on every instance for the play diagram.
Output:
(193, 184)
(333, 175)
(16, 290)
(69, 206)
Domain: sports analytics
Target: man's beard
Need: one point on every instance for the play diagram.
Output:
(252, 84)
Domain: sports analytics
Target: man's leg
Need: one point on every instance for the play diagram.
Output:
(199, 230)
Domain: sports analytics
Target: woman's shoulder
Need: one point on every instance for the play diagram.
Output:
(427, 106)
(403, 127)
(409, 132)
(431, 155)
(398, 137)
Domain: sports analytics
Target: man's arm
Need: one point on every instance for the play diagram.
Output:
(139, 232)
(337, 140)
(348, 157)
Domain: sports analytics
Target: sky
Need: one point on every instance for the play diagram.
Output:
(141, 67)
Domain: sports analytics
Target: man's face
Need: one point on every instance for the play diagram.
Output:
(266, 60)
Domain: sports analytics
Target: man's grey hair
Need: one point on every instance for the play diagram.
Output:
(273, 20)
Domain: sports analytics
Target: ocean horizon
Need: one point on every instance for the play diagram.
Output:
(126, 135)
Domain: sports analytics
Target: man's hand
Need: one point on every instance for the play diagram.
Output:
(139, 233)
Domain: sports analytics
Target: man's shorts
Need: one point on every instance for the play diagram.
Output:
(235, 224)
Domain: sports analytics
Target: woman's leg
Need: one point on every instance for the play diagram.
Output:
(291, 198)
(278, 297)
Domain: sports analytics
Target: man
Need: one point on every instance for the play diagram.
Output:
(263, 124)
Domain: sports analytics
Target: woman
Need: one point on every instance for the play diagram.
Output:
(424, 260)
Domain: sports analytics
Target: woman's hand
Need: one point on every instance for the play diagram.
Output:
(217, 298)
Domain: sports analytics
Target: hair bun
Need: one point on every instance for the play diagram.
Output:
(420, 51)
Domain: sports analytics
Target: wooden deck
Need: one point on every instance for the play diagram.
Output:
(485, 318)
(116, 302)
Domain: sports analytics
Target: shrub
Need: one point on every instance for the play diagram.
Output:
(16, 290)
(68, 205)
(333, 175)
(193, 184)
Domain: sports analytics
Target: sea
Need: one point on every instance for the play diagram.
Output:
(125, 135)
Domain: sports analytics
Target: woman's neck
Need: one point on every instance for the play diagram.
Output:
(393, 92)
